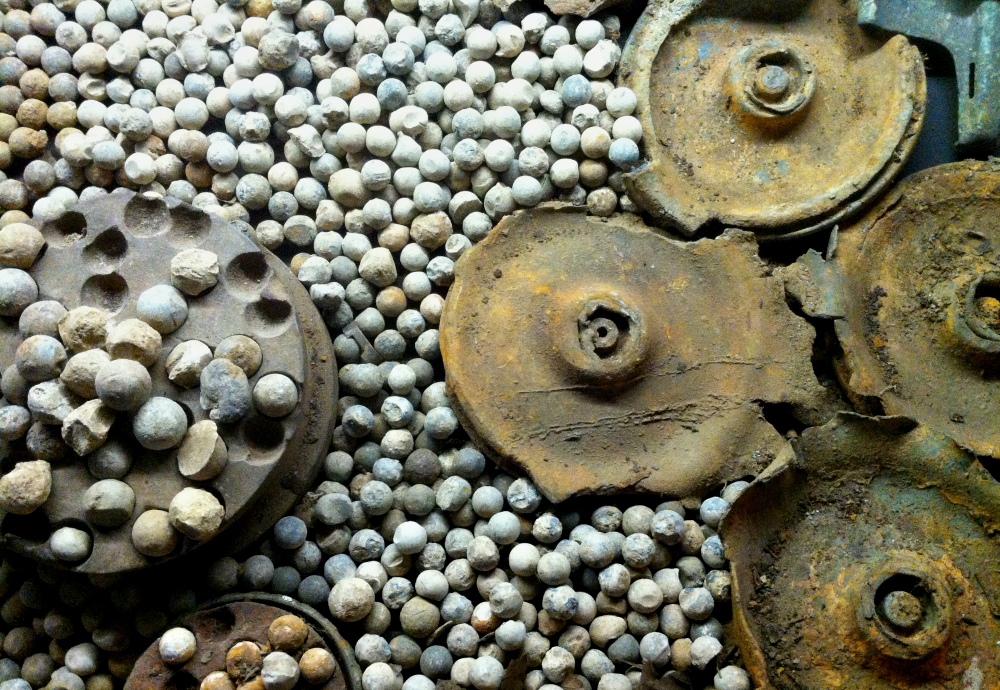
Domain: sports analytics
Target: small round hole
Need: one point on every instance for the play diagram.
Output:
(247, 274)
(188, 226)
(68, 228)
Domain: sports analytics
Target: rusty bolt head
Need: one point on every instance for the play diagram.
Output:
(772, 79)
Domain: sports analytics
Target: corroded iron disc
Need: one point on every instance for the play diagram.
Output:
(105, 254)
(221, 623)
(918, 273)
(599, 356)
(780, 117)
(869, 561)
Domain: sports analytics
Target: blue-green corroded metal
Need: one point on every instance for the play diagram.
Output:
(970, 31)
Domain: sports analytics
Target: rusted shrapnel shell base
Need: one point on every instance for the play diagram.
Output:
(105, 254)
(600, 357)
(786, 155)
(221, 623)
(869, 561)
(918, 273)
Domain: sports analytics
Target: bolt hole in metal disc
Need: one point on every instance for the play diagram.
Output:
(868, 561)
(922, 303)
(640, 364)
(784, 118)
(105, 254)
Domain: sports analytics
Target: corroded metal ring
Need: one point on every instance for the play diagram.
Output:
(904, 611)
(773, 79)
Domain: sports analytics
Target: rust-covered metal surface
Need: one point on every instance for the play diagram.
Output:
(784, 118)
(221, 623)
(869, 561)
(921, 283)
(105, 254)
(599, 356)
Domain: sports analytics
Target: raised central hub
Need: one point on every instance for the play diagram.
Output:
(772, 82)
(901, 610)
(603, 331)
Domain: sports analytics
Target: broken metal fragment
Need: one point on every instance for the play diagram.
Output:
(776, 117)
(599, 356)
(868, 561)
(921, 282)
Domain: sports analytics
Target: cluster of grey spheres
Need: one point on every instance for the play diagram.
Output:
(373, 143)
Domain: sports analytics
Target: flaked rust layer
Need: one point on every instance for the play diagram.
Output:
(868, 561)
(104, 254)
(784, 118)
(222, 623)
(917, 273)
(599, 356)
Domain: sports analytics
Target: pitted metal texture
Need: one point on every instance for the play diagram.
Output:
(868, 561)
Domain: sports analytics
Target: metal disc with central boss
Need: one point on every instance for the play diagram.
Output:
(104, 254)
(869, 561)
(784, 118)
(599, 356)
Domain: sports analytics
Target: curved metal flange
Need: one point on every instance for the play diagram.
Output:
(599, 356)
(921, 285)
(868, 561)
(784, 118)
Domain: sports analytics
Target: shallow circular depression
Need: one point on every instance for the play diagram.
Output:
(106, 252)
(108, 292)
(188, 227)
(66, 229)
(269, 317)
(246, 275)
(145, 217)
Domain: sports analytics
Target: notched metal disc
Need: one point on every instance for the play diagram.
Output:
(599, 356)
(780, 117)
(921, 276)
(868, 561)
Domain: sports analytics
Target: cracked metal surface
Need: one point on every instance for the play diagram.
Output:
(921, 275)
(600, 357)
(221, 623)
(105, 254)
(868, 561)
(784, 118)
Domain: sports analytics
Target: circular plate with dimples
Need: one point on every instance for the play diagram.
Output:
(104, 254)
